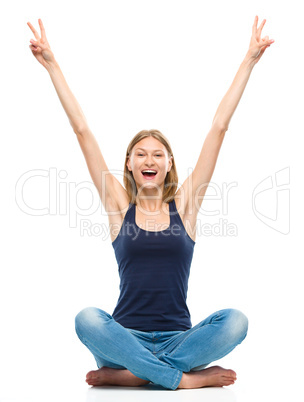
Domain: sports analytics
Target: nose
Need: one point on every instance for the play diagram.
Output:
(149, 162)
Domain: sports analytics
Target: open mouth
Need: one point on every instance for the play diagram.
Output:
(149, 174)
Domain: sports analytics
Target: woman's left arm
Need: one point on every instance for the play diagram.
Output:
(230, 101)
(204, 168)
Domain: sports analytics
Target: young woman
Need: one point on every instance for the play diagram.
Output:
(149, 337)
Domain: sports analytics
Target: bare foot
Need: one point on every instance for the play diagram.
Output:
(214, 376)
(110, 376)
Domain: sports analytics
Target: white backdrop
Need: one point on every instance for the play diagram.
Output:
(136, 65)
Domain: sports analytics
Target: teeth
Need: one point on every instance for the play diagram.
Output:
(149, 171)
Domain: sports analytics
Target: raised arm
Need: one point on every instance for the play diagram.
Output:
(109, 188)
(195, 186)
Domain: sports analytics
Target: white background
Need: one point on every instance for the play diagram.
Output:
(136, 65)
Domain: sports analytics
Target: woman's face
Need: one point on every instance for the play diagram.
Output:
(149, 154)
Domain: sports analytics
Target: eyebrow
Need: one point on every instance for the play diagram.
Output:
(136, 149)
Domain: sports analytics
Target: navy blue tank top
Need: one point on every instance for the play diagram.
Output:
(154, 269)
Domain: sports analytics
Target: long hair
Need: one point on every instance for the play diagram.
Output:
(171, 180)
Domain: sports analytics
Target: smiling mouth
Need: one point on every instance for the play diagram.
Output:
(149, 176)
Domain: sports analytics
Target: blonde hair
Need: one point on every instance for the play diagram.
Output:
(171, 180)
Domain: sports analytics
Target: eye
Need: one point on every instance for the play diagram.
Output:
(158, 155)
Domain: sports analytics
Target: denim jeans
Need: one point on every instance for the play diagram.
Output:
(160, 356)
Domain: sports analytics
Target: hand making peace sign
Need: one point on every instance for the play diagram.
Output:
(40, 47)
(257, 45)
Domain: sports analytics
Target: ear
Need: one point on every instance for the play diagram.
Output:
(128, 165)
(170, 163)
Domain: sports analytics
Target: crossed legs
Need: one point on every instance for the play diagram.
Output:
(124, 361)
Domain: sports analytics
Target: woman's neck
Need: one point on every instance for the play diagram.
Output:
(150, 205)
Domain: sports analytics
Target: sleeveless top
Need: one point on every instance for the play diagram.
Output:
(154, 268)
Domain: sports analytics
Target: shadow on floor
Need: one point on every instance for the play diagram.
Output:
(134, 394)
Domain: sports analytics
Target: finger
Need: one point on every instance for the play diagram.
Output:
(259, 31)
(33, 30)
(263, 41)
(33, 48)
(37, 44)
(255, 23)
(266, 41)
(43, 36)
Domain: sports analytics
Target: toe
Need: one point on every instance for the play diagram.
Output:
(90, 375)
(232, 373)
(228, 382)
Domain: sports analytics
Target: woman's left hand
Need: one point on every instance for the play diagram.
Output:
(257, 45)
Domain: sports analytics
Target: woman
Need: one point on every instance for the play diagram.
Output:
(149, 336)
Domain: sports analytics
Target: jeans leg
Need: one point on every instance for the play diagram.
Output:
(110, 342)
(210, 340)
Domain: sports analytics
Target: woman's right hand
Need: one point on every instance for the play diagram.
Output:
(40, 47)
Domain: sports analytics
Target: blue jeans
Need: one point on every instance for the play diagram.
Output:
(160, 356)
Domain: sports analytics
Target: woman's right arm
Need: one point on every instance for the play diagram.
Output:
(87, 141)
(111, 192)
